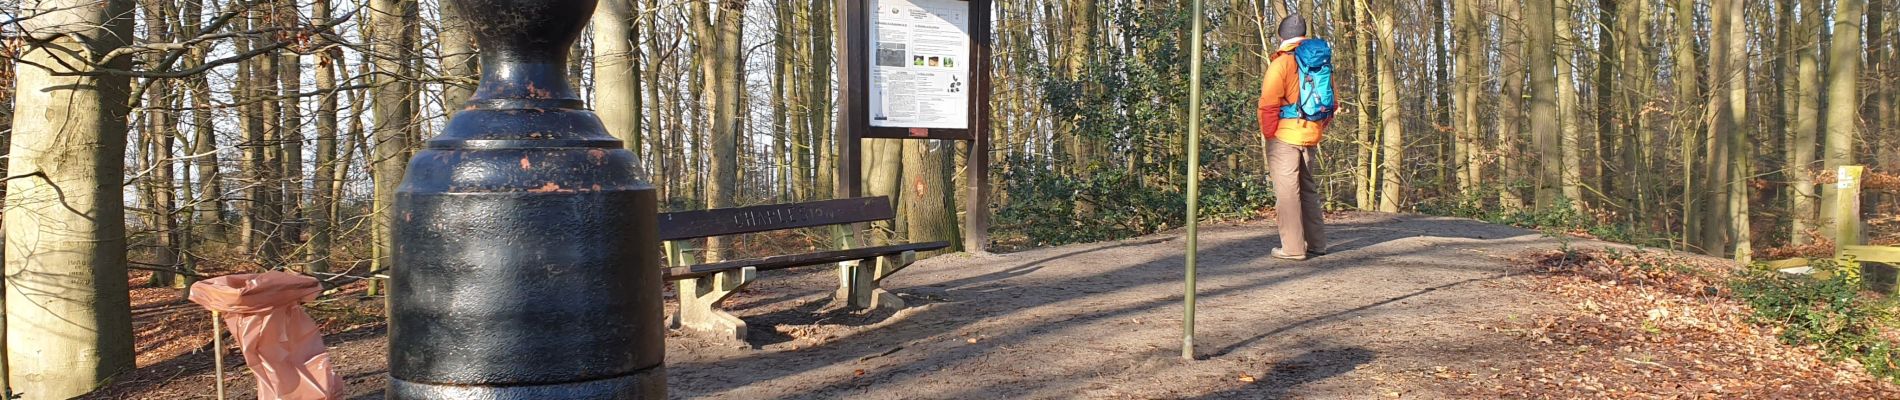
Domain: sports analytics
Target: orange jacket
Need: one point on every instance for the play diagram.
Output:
(1280, 87)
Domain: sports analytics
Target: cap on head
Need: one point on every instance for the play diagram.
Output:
(1292, 26)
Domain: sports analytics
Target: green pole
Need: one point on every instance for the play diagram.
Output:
(1194, 180)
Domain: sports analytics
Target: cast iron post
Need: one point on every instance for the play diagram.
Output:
(526, 259)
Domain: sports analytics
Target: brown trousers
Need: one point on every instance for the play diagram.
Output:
(1302, 229)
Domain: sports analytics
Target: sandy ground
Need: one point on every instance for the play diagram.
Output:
(1401, 298)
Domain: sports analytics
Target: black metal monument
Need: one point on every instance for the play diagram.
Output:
(526, 245)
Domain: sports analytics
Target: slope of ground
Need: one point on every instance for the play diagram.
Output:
(1405, 306)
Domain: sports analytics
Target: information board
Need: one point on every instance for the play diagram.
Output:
(920, 67)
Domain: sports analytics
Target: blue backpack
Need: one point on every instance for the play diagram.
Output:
(1315, 59)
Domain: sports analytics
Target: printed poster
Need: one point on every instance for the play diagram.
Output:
(920, 67)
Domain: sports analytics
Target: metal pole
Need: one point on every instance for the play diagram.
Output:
(1194, 180)
(217, 352)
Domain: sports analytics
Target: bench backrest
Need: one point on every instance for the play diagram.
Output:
(733, 221)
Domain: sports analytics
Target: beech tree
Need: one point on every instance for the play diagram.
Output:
(69, 315)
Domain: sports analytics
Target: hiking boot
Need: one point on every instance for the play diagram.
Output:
(1284, 256)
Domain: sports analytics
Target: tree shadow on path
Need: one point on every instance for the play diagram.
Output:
(1312, 366)
(1232, 270)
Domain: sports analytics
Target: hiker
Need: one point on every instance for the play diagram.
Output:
(1296, 103)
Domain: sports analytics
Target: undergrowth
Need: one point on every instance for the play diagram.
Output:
(1560, 218)
(1827, 310)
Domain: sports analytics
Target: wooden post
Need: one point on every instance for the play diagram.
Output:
(854, 122)
(976, 220)
(854, 112)
(1847, 208)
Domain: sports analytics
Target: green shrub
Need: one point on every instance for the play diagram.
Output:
(1048, 208)
(1829, 313)
(1128, 176)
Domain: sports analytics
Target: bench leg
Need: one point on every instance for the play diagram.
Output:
(700, 297)
(859, 282)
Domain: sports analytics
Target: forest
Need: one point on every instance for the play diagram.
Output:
(179, 139)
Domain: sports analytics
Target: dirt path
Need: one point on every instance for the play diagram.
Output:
(1401, 298)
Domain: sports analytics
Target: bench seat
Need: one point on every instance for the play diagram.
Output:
(799, 260)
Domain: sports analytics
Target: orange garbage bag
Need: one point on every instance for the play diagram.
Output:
(281, 343)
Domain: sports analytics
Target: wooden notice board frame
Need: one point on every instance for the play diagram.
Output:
(854, 124)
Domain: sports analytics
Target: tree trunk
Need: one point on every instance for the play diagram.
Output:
(6, 145)
(803, 95)
(1449, 151)
(1641, 146)
(266, 207)
(1390, 192)
(1472, 59)
(461, 68)
(1806, 127)
(1567, 116)
(1726, 71)
(1609, 180)
(392, 23)
(208, 214)
(252, 125)
(1545, 132)
(717, 42)
(783, 55)
(289, 184)
(1081, 44)
(1843, 102)
(161, 119)
(1884, 57)
(577, 66)
(883, 172)
(931, 208)
(358, 143)
(1367, 174)
(1511, 37)
(323, 181)
(617, 72)
(67, 298)
(824, 136)
(1741, 154)
(1880, 112)
(1686, 115)
(659, 159)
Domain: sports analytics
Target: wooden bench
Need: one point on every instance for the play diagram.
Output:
(860, 269)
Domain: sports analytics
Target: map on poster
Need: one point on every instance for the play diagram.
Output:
(920, 71)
